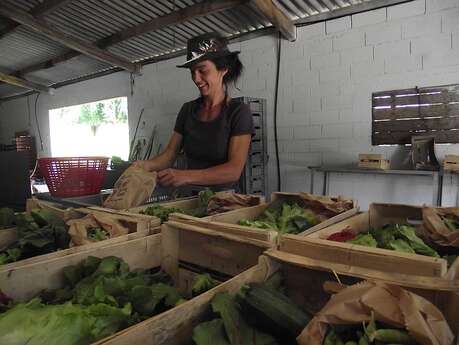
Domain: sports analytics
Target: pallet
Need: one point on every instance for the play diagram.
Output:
(178, 245)
(228, 222)
(309, 283)
(138, 225)
(316, 246)
(451, 163)
(373, 161)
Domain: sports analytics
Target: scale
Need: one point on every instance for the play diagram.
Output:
(423, 153)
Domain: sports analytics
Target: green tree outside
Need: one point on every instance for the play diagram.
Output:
(93, 118)
(99, 115)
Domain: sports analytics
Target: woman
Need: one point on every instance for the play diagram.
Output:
(213, 130)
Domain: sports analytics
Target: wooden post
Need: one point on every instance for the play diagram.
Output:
(38, 11)
(174, 18)
(9, 79)
(74, 43)
(277, 18)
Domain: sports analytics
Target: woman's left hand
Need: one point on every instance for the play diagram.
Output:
(172, 177)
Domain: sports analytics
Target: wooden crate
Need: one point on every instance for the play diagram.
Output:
(190, 203)
(451, 163)
(228, 228)
(55, 208)
(308, 282)
(228, 222)
(7, 236)
(373, 161)
(181, 250)
(315, 245)
(184, 204)
(138, 225)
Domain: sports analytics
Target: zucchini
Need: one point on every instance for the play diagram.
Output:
(272, 311)
(236, 328)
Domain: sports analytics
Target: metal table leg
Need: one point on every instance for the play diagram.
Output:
(311, 186)
(440, 189)
(325, 186)
(437, 186)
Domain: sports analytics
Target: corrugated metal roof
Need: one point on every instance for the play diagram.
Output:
(92, 20)
(26, 47)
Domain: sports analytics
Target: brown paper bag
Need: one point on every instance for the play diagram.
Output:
(225, 201)
(324, 206)
(78, 228)
(132, 189)
(391, 304)
(437, 230)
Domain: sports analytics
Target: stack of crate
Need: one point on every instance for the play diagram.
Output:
(255, 176)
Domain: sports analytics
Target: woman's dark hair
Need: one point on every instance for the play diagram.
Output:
(234, 66)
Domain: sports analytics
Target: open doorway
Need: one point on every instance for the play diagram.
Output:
(91, 129)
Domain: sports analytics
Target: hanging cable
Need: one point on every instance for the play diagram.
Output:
(29, 124)
(36, 121)
(132, 83)
(276, 93)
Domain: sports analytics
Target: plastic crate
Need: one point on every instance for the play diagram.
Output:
(73, 176)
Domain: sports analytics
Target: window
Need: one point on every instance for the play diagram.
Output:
(91, 129)
(400, 114)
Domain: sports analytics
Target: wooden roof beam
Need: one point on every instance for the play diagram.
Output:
(9, 79)
(277, 18)
(174, 18)
(38, 11)
(177, 17)
(74, 43)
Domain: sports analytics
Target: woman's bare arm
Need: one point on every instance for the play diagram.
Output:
(224, 173)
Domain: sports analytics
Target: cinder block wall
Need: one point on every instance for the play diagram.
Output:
(326, 80)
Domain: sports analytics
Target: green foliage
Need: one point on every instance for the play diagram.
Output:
(161, 212)
(237, 329)
(450, 259)
(399, 237)
(364, 240)
(110, 282)
(6, 217)
(204, 196)
(35, 323)
(98, 234)
(400, 245)
(99, 298)
(39, 233)
(115, 107)
(451, 222)
(93, 117)
(210, 333)
(367, 333)
(284, 218)
(202, 283)
(10, 255)
(259, 315)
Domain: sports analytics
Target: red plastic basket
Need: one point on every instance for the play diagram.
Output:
(73, 176)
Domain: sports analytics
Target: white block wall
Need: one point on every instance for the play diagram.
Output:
(324, 111)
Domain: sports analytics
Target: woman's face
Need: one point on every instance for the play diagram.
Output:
(207, 77)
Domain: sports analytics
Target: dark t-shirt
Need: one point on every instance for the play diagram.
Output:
(206, 143)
